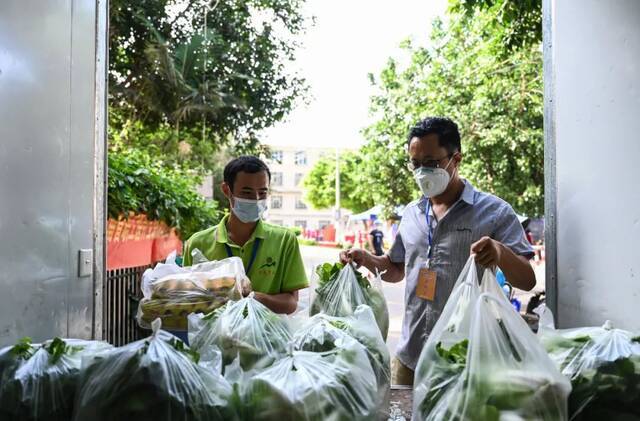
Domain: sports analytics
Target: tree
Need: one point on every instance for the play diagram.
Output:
(320, 184)
(474, 72)
(142, 184)
(184, 91)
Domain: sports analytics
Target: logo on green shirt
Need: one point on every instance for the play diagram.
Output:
(270, 263)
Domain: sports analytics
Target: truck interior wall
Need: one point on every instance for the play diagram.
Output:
(592, 124)
(51, 166)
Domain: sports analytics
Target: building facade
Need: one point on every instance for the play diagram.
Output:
(289, 166)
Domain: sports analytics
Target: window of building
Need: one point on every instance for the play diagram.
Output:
(276, 156)
(276, 179)
(300, 203)
(300, 223)
(301, 158)
(276, 202)
(298, 178)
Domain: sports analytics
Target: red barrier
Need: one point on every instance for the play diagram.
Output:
(136, 241)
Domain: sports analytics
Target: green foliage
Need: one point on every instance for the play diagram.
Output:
(140, 184)
(483, 69)
(518, 23)
(176, 92)
(320, 184)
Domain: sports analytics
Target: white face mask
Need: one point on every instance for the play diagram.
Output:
(432, 181)
(248, 210)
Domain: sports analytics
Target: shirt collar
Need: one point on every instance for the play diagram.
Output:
(222, 235)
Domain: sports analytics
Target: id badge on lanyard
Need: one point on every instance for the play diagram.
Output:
(427, 277)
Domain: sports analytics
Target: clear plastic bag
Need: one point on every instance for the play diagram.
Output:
(322, 333)
(443, 357)
(337, 385)
(340, 289)
(245, 329)
(153, 379)
(603, 364)
(483, 363)
(172, 292)
(38, 381)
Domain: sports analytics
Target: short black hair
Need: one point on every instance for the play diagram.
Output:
(445, 128)
(246, 163)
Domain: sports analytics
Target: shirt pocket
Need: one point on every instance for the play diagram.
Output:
(463, 237)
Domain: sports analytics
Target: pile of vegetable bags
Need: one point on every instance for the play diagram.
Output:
(154, 379)
(603, 364)
(172, 292)
(341, 289)
(320, 368)
(38, 381)
(482, 362)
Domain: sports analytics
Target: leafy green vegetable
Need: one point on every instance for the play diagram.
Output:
(457, 355)
(23, 349)
(338, 295)
(57, 348)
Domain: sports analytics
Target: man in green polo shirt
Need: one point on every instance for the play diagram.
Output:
(270, 253)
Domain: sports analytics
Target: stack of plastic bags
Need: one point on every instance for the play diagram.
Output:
(172, 292)
(481, 361)
(245, 362)
(603, 364)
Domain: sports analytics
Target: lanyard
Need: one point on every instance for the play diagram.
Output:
(254, 253)
(429, 228)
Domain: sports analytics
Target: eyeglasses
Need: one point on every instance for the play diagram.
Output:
(430, 163)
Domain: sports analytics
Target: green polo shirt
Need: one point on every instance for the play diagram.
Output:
(278, 265)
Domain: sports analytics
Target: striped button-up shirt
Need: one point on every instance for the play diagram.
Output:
(473, 216)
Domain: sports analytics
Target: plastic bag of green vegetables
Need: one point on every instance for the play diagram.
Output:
(443, 357)
(337, 385)
(172, 292)
(322, 333)
(497, 370)
(245, 330)
(38, 381)
(154, 379)
(341, 288)
(603, 364)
